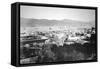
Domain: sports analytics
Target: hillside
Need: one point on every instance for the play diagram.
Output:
(25, 22)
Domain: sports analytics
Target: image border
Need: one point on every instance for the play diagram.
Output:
(57, 6)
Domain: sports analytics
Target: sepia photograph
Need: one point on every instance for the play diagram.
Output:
(56, 34)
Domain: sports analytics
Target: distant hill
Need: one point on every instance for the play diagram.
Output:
(26, 22)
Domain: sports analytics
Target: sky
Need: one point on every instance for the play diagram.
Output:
(53, 13)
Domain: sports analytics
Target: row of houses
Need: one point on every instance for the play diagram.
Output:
(60, 37)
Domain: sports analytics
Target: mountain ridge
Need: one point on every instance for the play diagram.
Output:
(32, 22)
